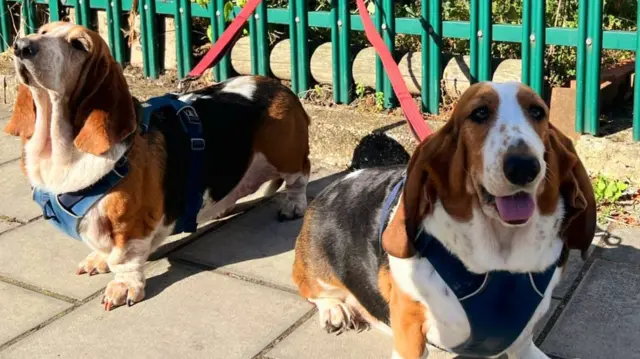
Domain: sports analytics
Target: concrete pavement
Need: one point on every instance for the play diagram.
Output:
(226, 293)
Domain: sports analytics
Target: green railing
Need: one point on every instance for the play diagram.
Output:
(589, 38)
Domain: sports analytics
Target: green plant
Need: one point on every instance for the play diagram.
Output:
(380, 101)
(360, 90)
(609, 190)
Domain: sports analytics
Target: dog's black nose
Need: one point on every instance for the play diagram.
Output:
(521, 169)
(25, 48)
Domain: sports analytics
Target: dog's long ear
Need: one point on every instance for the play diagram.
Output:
(437, 171)
(567, 177)
(103, 107)
(23, 119)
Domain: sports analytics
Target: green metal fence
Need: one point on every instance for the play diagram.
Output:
(589, 38)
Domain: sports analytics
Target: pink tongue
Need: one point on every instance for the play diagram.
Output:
(518, 207)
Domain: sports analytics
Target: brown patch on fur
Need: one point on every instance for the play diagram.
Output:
(385, 282)
(408, 320)
(441, 169)
(567, 177)
(527, 98)
(23, 118)
(102, 105)
(284, 136)
(394, 237)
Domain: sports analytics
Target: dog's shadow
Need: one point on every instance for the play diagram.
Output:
(257, 233)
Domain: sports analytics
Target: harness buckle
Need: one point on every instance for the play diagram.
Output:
(197, 144)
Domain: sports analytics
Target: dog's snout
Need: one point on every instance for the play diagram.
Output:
(25, 48)
(521, 169)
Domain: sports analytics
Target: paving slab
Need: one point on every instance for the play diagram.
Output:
(187, 314)
(601, 320)
(622, 245)
(15, 194)
(5, 226)
(10, 146)
(574, 266)
(22, 310)
(254, 245)
(39, 255)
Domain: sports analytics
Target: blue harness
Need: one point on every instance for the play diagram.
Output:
(498, 304)
(66, 210)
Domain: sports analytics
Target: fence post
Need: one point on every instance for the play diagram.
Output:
(224, 65)
(185, 33)
(346, 78)
(5, 30)
(335, 51)
(473, 40)
(29, 16)
(594, 50)
(537, 46)
(581, 65)
(636, 87)
(263, 39)
(143, 39)
(424, 43)
(150, 36)
(484, 41)
(253, 44)
(378, 19)
(435, 32)
(293, 39)
(526, 42)
(303, 45)
(54, 10)
(116, 26)
(389, 32)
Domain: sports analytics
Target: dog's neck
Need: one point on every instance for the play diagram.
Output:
(52, 161)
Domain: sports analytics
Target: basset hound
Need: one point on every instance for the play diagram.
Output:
(462, 248)
(88, 147)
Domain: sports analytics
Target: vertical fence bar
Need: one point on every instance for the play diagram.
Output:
(253, 44)
(538, 42)
(581, 65)
(185, 33)
(345, 52)
(424, 43)
(335, 51)
(435, 30)
(76, 8)
(484, 41)
(178, 29)
(5, 30)
(110, 32)
(213, 11)
(225, 62)
(118, 37)
(526, 41)
(54, 10)
(303, 45)
(378, 19)
(293, 42)
(29, 16)
(85, 9)
(263, 39)
(150, 37)
(594, 51)
(473, 40)
(145, 44)
(389, 30)
(636, 87)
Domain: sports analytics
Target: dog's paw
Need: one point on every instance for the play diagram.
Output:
(125, 288)
(95, 263)
(292, 208)
(337, 317)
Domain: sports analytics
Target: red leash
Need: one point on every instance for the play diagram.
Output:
(226, 41)
(414, 117)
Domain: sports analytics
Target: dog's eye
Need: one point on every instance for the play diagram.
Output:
(480, 114)
(536, 112)
(79, 45)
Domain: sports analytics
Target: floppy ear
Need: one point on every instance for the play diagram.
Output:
(105, 113)
(567, 174)
(23, 119)
(437, 170)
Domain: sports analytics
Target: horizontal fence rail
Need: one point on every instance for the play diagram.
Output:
(588, 38)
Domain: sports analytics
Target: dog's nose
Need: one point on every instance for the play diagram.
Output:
(25, 48)
(521, 169)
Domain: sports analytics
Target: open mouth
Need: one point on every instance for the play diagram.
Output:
(513, 209)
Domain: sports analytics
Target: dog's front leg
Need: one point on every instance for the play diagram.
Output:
(126, 261)
(407, 323)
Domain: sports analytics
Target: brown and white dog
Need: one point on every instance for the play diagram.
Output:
(499, 187)
(77, 118)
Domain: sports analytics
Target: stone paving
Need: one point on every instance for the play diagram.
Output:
(226, 292)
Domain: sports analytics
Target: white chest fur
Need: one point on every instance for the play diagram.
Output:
(482, 246)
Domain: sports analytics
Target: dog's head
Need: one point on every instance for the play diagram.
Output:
(72, 65)
(499, 152)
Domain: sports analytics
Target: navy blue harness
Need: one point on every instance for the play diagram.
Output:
(498, 304)
(66, 210)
